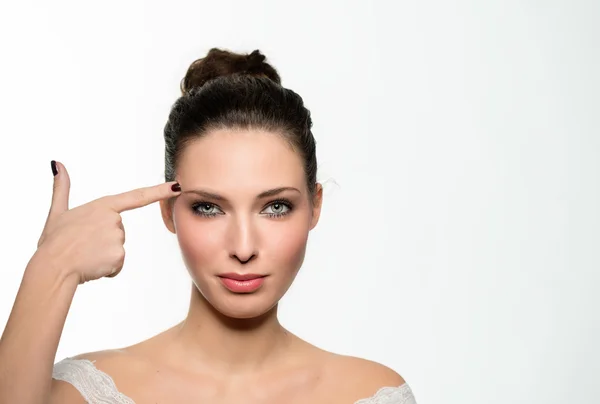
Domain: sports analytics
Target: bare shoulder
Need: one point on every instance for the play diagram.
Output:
(362, 378)
(124, 366)
(114, 362)
(372, 371)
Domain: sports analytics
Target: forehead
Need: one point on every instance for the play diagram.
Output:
(230, 158)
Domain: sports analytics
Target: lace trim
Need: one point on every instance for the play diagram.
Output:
(391, 395)
(95, 386)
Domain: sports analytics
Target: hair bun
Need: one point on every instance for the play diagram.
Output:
(218, 63)
(255, 59)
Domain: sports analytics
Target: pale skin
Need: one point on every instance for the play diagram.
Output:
(230, 348)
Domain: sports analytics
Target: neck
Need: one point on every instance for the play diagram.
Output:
(223, 344)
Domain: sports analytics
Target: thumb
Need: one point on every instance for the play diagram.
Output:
(60, 190)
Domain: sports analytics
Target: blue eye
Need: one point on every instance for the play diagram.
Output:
(279, 208)
(205, 209)
(275, 209)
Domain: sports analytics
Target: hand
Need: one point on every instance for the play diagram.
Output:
(87, 241)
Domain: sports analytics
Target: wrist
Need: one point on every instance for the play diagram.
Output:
(43, 262)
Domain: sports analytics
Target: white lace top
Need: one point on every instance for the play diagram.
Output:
(96, 387)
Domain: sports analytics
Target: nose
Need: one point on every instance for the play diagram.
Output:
(243, 240)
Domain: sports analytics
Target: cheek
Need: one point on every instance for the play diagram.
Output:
(284, 244)
(198, 241)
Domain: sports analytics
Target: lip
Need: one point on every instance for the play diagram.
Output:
(238, 283)
(240, 277)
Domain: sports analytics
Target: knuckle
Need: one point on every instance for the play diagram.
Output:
(121, 260)
(109, 217)
(118, 253)
(116, 218)
(116, 272)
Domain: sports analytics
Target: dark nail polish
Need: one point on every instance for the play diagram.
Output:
(54, 169)
(176, 187)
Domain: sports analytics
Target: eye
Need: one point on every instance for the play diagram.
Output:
(278, 208)
(275, 209)
(205, 209)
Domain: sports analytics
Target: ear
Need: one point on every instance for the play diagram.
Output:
(317, 203)
(166, 210)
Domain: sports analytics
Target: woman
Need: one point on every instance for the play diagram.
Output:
(241, 196)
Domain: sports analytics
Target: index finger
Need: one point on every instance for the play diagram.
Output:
(142, 196)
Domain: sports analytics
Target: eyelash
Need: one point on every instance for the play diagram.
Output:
(282, 201)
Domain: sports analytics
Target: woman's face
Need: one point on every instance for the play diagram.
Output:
(244, 209)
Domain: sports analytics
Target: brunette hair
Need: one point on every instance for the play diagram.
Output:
(226, 90)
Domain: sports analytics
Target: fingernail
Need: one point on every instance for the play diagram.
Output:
(54, 169)
(176, 187)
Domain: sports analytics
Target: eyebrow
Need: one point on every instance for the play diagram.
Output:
(262, 195)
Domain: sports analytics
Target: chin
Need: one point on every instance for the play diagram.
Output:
(245, 312)
(242, 305)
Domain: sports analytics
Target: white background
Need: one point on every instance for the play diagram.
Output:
(459, 145)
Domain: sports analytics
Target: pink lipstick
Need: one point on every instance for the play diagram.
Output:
(242, 283)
